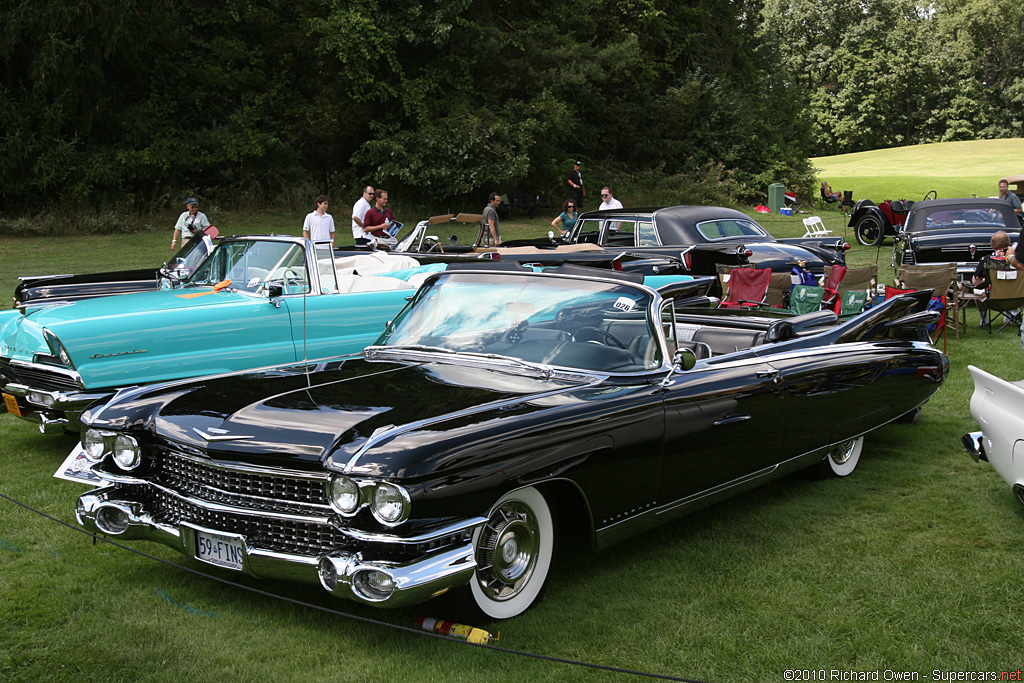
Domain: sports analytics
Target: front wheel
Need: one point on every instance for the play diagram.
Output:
(869, 231)
(513, 554)
(841, 461)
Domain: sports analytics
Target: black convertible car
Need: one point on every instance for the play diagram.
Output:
(953, 231)
(704, 236)
(498, 411)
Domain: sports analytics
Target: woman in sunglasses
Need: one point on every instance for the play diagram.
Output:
(567, 219)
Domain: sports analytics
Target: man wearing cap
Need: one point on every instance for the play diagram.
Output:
(190, 221)
(576, 189)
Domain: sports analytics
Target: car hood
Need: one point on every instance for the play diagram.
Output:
(110, 340)
(372, 418)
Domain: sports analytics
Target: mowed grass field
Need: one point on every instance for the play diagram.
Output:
(912, 566)
(952, 169)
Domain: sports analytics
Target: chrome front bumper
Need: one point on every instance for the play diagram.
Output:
(54, 411)
(342, 572)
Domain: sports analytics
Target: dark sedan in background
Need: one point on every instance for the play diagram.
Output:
(705, 237)
(953, 231)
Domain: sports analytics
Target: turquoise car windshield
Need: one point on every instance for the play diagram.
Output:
(564, 322)
(249, 264)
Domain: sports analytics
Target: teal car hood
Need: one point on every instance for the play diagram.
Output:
(173, 334)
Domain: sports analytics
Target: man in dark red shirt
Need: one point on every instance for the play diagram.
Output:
(379, 214)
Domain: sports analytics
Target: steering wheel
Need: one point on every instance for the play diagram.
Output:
(607, 337)
(515, 334)
(932, 195)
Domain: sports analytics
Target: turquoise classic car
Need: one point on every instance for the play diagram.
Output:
(256, 301)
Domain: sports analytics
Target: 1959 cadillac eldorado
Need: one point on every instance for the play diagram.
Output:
(496, 412)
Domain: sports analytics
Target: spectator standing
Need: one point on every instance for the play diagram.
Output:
(608, 201)
(377, 218)
(359, 210)
(491, 218)
(190, 221)
(577, 191)
(566, 220)
(319, 225)
(1010, 197)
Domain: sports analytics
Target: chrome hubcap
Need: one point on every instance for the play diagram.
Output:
(507, 551)
(841, 453)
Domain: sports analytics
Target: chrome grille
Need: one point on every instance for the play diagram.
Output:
(278, 535)
(38, 378)
(255, 491)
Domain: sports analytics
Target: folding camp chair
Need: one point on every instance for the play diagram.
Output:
(852, 302)
(1004, 298)
(847, 202)
(778, 290)
(941, 279)
(861, 279)
(747, 288)
(791, 201)
(831, 286)
(806, 299)
(815, 227)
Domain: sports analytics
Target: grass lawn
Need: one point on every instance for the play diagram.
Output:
(952, 169)
(913, 563)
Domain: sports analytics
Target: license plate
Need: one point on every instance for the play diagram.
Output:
(12, 405)
(223, 551)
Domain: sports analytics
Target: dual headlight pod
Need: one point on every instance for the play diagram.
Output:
(389, 503)
(125, 449)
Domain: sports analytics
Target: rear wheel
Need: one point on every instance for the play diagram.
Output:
(869, 231)
(842, 460)
(513, 554)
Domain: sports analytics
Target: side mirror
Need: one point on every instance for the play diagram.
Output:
(274, 290)
(684, 359)
(551, 234)
(453, 239)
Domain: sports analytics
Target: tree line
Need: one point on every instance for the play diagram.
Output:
(250, 103)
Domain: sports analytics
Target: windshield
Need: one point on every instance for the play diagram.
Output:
(729, 227)
(249, 264)
(564, 322)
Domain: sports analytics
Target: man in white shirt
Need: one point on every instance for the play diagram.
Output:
(608, 201)
(359, 210)
(319, 225)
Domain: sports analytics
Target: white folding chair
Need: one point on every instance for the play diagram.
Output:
(815, 227)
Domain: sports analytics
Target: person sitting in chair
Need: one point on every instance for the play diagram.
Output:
(1000, 244)
(828, 195)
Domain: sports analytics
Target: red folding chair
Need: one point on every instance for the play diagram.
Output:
(747, 288)
(831, 300)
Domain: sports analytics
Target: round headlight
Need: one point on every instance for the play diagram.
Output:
(126, 452)
(344, 495)
(94, 445)
(391, 503)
